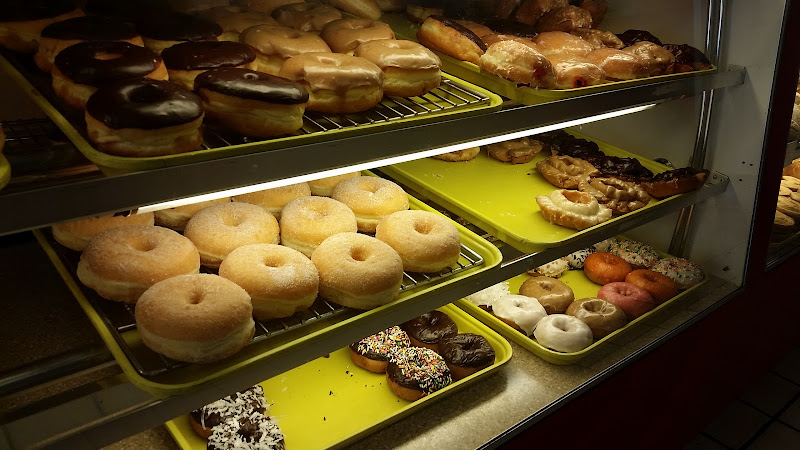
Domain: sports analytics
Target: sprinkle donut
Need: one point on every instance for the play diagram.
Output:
(374, 352)
(682, 271)
(638, 255)
(416, 372)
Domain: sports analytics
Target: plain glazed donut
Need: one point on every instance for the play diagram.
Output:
(357, 271)
(77, 233)
(371, 199)
(344, 35)
(198, 318)
(219, 229)
(374, 352)
(275, 45)
(409, 68)
(554, 295)
(309, 17)
(603, 317)
(563, 333)
(121, 263)
(660, 286)
(324, 186)
(281, 281)
(177, 217)
(572, 209)
(466, 354)
(603, 268)
(428, 329)
(632, 299)
(416, 372)
(307, 221)
(520, 312)
(426, 242)
(275, 199)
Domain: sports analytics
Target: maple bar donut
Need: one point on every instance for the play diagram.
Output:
(409, 68)
(632, 299)
(416, 372)
(371, 199)
(519, 62)
(218, 230)
(683, 272)
(660, 286)
(467, 154)
(324, 186)
(336, 83)
(518, 311)
(235, 19)
(22, 21)
(603, 317)
(357, 271)
(176, 218)
(563, 333)
(165, 30)
(252, 103)
(275, 44)
(603, 268)
(365, 9)
(275, 199)
(565, 171)
(374, 352)
(307, 221)
(144, 117)
(554, 295)
(60, 35)
(428, 329)
(621, 197)
(76, 234)
(426, 242)
(637, 254)
(572, 209)
(673, 182)
(309, 17)
(79, 70)
(123, 262)
(344, 35)
(451, 38)
(281, 281)
(198, 318)
(187, 60)
(204, 420)
(466, 354)
(619, 65)
(516, 151)
(248, 431)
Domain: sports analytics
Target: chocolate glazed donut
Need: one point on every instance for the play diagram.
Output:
(84, 63)
(427, 329)
(466, 354)
(252, 85)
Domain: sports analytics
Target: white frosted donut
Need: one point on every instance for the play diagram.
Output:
(307, 221)
(280, 280)
(324, 186)
(121, 263)
(357, 271)
(77, 233)
(371, 199)
(273, 200)
(426, 241)
(572, 209)
(177, 218)
(195, 318)
(563, 333)
(519, 311)
(219, 229)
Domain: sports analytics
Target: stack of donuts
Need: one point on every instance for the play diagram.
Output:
(633, 279)
(146, 79)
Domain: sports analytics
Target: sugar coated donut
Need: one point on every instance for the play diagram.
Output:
(357, 271)
(219, 229)
(428, 329)
(603, 268)
(177, 217)
(371, 199)
(426, 241)
(632, 299)
(465, 354)
(324, 186)
(563, 333)
(638, 255)
(307, 221)
(275, 199)
(660, 286)
(410, 69)
(572, 209)
(374, 352)
(281, 281)
(121, 263)
(519, 311)
(554, 295)
(77, 233)
(276, 44)
(683, 272)
(248, 431)
(602, 316)
(204, 419)
(416, 372)
(344, 35)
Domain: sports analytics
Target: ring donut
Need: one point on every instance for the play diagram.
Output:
(425, 241)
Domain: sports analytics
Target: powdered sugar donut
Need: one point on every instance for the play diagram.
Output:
(519, 311)
(682, 271)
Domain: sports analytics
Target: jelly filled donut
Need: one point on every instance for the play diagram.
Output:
(427, 329)
(683, 272)
(275, 199)
(177, 217)
(632, 299)
(374, 352)
(518, 311)
(276, 44)
(554, 295)
(603, 317)
(76, 234)
(165, 30)
(371, 199)
(416, 372)
(426, 241)
(520, 62)
(660, 286)
(307, 221)
(187, 60)
(22, 21)
(251, 430)
(204, 419)
(344, 35)
(466, 354)
(144, 117)
(603, 268)
(563, 333)
(409, 68)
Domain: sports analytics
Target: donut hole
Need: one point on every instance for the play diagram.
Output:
(359, 254)
(147, 93)
(423, 227)
(107, 56)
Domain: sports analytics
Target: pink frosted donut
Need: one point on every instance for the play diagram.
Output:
(633, 300)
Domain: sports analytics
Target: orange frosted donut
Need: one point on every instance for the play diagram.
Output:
(409, 68)
(218, 230)
(77, 233)
(274, 45)
(357, 271)
(371, 199)
(273, 200)
(324, 186)
(198, 318)
(604, 268)
(660, 286)
(307, 221)
(123, 262)
(344, 35)
(177, 218)
(426, 241)
(281, 281)
(309, 17)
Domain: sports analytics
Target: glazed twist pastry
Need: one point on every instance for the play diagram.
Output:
(566, 172)
(517, 151)
(572, 209)
(619, 196)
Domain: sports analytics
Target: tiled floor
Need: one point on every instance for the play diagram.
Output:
(766, 416)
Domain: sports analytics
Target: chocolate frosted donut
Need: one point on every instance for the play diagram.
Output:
(209, 416)
(416, 372)
(628, 169)
(22, 21)
(24, 10)
(187, 60)
(162, 31)
(630, 37)
(427, 329)
(252, 85)
(251, 430)
(466, 354)
(688, 58)
(374, 352)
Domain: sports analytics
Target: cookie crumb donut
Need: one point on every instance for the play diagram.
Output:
(274, 45)
(466, 354)
(281, 281)
(323, 187)
(203, 420)
(187, 60)
(22, 21)
(428, 329)
(218, 230)
(520, 312)
(344, 35)
(520, 62)
(365, 9)
(603, 268)
(516, 151)
(374, 352)
(565, 171)
(683, 272)
(632, 299)
(563, 333)
(76, 234)
(621, 197)
(660, 286)
(553, 269)
(160, 31)
(603, 317)
(371, 199)
(451, 38)
(249, 431)
(554, 295)
(310, 17)
(176, 218)
(307, 221)
(572, 209)
(409, 68)
(275, 199)
(426, 242)
(123, 262)
(467, 154)
(416, 372)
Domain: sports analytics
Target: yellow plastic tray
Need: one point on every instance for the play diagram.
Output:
(330, 402)
(5, 171)
(526, 95)
(582, 288)
(500, 197)
(111, 164)
(186, 378)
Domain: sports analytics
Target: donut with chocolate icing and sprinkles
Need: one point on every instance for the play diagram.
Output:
(415, 372)
(374, 352)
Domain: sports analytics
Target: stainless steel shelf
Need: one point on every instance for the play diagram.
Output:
(87, 193)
